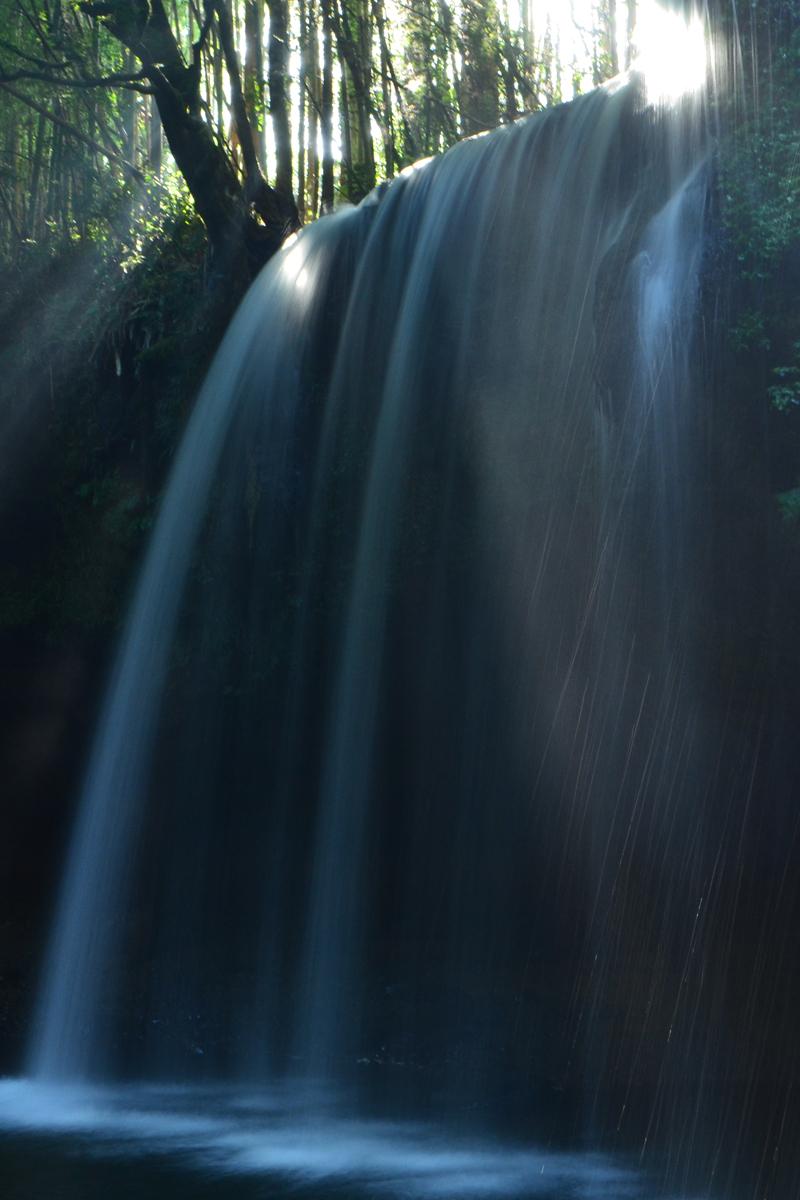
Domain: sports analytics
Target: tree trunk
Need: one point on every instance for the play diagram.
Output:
(254, 73)
(314, 93)
(346, 163)
(55, 166)
(278, 102)
(354, 43)
(240, 242)
(508, 68)
(301, 132)
(327, 109)
(155, 139)
(363, 92)
(219, 92)
(30, 224)
(478, 98)
(386, 92)
(131, 130)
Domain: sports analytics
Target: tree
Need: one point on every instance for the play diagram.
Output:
(246, 219)
(91, 90)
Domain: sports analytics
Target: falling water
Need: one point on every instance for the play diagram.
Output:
(401, 776)
(256, 366)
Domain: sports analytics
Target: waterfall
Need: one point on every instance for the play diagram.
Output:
(403, 703)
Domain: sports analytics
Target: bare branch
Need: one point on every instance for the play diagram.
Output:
(127, 82)
(46, 64)
(205, 28)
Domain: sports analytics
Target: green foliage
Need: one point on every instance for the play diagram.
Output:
(75, 160)
(786, 393)
(81, 153)
(747, 332)
(759, 162)
(431, 102)
(760, 169)
(789, 504)
(110, 391)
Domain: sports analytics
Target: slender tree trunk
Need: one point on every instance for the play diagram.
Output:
(509, 80)
(244, 129)
(55, 166)
(14, 229)
(254, 73)
(155, 139)
(363, 93)
(13, 159)
(346, 163)
(63, 186)
(386, 92)
(131, 131)
(30, 225)
(302, 105)
(29, 156)
(146, 127)
(219, 93)
(71, 208)
(354, 42)
(315, 90)
(89, 183)
(278, 100)
(327, 109)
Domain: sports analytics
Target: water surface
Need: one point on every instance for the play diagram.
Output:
(61, 1142)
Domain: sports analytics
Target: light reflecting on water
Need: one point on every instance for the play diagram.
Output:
(269, 1135)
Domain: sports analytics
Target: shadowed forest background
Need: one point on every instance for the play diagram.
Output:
(153, 156)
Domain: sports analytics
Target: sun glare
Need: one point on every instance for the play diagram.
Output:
(670, 52)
